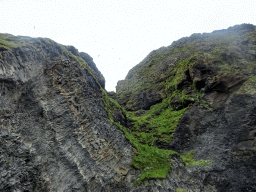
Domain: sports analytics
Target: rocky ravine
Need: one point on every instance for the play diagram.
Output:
(189, 122)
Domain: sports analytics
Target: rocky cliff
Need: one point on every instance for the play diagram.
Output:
(55, 132)
(197, 97)
(184, 119)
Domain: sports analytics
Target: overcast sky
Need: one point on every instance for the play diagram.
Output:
(118, 34)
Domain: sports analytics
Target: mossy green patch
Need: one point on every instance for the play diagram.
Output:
(251, 36)
(218, 51)
(178, 72)
(144, 80)
(188, 159)
(111, 106)
(156, 60)
(158, 124)
(153, 161)
(180, 190)
(249, 87)
(155, 125)
(8, 41)
(179, 50)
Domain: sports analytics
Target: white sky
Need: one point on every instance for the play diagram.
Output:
(118, 34)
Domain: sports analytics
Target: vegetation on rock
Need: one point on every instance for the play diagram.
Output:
(249, 87)
(182, 74)
(8, 41)
(188, 159)
(157, 124)
(180, 190)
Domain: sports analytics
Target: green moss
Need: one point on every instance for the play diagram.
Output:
(145, 80)
(153, 161)
(8, 41)
(177, 73)
(178, 50)
(205, 104)
(249, 87)
(251, 36)
(218, 51)
(154, 62)
(157, 125)
(188, 159)
(110, 106)
(180, 190)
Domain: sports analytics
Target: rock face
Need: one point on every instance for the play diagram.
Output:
(189, 123)
(212, 78)
(55, 133)
(88, 59)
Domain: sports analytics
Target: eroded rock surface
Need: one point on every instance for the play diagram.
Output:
(55, 134)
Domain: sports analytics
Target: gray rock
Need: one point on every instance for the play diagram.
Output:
(55, 132)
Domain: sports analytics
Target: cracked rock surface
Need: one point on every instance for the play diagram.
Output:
(54, 131)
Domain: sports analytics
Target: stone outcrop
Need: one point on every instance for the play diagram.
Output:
(55, 134)
(88, 59)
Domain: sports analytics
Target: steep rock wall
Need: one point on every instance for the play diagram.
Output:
(205, 86)
(54, 131)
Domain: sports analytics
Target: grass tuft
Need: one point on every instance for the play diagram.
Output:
(180, 190)
(188, 159)
(8, 41)
(249, 87)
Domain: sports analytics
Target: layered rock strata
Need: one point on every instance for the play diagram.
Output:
(55, 132)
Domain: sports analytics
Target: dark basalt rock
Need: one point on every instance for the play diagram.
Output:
(73, 50)
(226, 136)
(177, 104)
(91, 63)
(144, 100)
(55, 134)
(219, 90)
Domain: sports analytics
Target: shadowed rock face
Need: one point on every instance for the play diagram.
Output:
(54, 132)
(91, 63)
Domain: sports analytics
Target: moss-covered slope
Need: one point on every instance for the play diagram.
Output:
(202, 70)
(224, 51)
